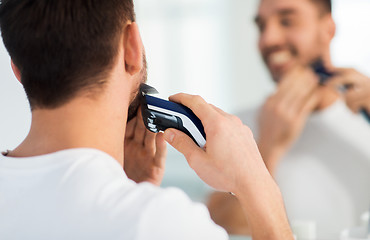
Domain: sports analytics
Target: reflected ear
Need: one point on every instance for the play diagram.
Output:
(133, 49)
(16, 71)
(329, 27)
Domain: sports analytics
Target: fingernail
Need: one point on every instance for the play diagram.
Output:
(169, 136)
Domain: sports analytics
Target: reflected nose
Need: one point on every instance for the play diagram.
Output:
(271, 37)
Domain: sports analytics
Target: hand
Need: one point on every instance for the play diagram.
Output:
(226, 211)
(230, 151)
(357, 95)
(231, 162)
(145, 153)
(284, 114)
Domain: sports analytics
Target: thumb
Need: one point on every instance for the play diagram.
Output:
(183, 143)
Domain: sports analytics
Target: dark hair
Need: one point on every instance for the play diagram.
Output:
(325, 5)
(63, 47)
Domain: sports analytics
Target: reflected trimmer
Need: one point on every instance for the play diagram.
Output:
(324, 75)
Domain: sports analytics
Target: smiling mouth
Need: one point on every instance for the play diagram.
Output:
(279, 59)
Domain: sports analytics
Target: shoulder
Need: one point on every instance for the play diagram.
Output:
(144, 211)
(140, 211)
(170, 214)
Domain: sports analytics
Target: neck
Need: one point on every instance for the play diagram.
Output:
(326, 58)
(328, 95)
(82, 123)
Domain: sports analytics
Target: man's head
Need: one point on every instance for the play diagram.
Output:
(64, 48)
(294, 32)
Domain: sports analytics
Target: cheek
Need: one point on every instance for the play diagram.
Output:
(306, 45)
(259, 43)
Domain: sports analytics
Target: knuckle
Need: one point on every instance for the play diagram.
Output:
(279, 110)
(236, 120)
(219, 124)
(289, 118)
(190, 158)
(198, 99)
(247, 130)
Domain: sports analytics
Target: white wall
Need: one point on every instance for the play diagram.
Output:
(351, 46)
(204, 47)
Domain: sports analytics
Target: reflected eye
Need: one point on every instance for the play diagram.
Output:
(286, 22)
(261, 27)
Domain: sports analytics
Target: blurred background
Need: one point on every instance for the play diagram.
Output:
(205, 47)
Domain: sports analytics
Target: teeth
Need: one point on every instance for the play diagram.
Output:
(279, 58)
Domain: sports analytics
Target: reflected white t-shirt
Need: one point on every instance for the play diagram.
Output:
(325, 176)
(85, 194)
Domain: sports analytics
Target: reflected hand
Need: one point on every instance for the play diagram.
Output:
(284, 114)
(357, 94)
(145, 153)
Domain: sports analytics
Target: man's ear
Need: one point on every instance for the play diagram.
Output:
(16, 71)
(133, 49)
(329, 27)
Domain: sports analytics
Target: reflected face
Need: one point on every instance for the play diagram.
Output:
(290, 34)
(136, 99)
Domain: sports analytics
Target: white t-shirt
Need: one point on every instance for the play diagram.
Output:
(325, 176)
(85, 194)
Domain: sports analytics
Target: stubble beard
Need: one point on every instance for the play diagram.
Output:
(136, 101)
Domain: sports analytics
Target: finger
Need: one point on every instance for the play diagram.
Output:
(161, 151)
(140, 129)
(304, 96)
(343, 71)
(357, 105)
(219, 110)
(366, 107)
(184, 144)
(310, 105)
(297, 97)
(226, 115)
(347, 76)
(149, 140)
(341, 83)
(354, 106)
(356, 94)
(336, 81)
(197, 104)
(130, 128)
(298, 76)
(301, 87)
(300, 79)
(286, 80)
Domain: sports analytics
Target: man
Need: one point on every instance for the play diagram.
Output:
(316, 148)
(81, 63)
